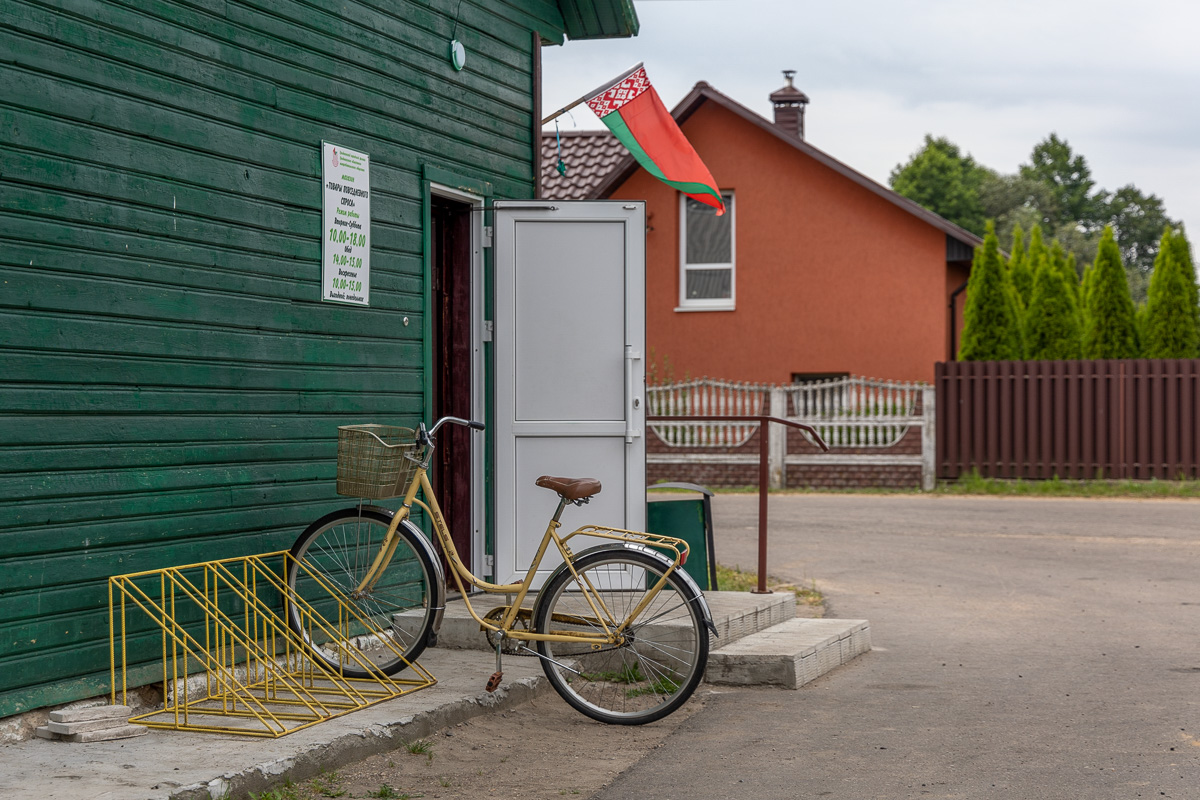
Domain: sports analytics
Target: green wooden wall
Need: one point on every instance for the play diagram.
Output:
(170, 383)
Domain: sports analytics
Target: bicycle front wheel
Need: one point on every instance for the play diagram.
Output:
(391, 619)
(661, 658)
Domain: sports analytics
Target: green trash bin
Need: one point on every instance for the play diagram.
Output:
(687, 517)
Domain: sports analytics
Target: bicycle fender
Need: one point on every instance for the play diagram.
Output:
(666, 562)
(439, 587)
(683, 576)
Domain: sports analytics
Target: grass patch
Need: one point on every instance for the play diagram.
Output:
(420, 747)
(385, 792)
(628, 674)
(660, 686)
(735, 579)
(287, 791)
(974, 483)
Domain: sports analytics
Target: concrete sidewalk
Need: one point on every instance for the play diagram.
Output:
(191, 766)
(165, 765)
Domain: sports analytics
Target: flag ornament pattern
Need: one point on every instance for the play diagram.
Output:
(632, 110)
(620, 93)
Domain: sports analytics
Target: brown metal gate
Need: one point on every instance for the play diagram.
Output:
(1134, 418)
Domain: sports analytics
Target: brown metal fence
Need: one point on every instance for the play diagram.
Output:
(1135, 418)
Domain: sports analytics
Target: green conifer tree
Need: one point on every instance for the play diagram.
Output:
(1183, 255)
(1037, 250)
(1170, 318)
(1052, 329)
(1109, 329)
(990, 327)
(1019, 269)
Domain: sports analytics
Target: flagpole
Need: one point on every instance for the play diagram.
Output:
(594, 92)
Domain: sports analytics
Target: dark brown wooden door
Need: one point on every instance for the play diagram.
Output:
(451, 290)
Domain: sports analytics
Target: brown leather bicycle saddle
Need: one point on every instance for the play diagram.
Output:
(571, 488)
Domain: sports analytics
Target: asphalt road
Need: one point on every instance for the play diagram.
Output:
(1023, 648)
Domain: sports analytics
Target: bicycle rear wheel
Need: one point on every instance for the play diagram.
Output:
(662, 658)
(338, 550)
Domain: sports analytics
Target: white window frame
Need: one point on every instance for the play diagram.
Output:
(720, 304)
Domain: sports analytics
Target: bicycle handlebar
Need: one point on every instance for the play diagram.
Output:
(470, 423)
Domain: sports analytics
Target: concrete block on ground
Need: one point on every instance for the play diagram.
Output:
(113, 731)
(790, 654)
(92, 713)
(69, 728)
(127, 731)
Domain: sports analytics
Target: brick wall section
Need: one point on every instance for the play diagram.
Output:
(712, 474)
(846, 476)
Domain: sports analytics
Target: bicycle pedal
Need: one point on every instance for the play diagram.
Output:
(494, 682)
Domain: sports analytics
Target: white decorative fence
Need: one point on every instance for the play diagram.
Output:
(706, 398)
(858, 414)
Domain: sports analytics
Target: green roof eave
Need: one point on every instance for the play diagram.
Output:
(599, 19)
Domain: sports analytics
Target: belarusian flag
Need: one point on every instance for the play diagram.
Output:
(634, 113)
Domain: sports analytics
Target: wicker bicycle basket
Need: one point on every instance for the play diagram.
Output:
(373, 460)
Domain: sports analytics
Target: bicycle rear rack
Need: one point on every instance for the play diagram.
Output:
(229, 662)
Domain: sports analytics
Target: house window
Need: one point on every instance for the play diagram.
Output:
(706, 246)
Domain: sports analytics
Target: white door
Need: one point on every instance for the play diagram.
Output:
(570, 333)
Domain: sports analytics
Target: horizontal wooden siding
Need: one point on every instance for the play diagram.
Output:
(170, 381)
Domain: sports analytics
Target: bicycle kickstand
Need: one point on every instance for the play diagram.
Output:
(494, 681)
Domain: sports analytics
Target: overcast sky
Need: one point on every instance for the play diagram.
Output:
(1119, 81)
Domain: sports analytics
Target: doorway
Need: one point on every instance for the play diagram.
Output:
(570, 330)
(451, 269)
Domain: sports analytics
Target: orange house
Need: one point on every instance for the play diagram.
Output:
(816, 271)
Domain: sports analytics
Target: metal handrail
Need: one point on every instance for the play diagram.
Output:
(761, 419)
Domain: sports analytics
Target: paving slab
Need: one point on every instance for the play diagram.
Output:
(92, 713)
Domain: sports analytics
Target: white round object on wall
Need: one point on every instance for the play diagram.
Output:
(458, 54)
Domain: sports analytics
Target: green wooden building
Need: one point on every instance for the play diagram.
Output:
(171, 378)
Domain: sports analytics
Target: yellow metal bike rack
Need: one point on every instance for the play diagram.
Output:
(230, 662)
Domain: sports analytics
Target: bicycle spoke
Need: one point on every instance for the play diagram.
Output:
(655, 667)
(387, 621)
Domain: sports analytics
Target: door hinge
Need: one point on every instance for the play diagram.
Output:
(489, 561)
(487, 235)
(489, 329)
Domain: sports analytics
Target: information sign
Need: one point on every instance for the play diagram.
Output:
(346, 218)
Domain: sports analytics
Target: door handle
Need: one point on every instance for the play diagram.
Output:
(632, 401)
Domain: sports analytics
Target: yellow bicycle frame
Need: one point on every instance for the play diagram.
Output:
(613, 629)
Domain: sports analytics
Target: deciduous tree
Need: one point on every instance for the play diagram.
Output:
(1068, 176)
(1138, 220)
(944, 180)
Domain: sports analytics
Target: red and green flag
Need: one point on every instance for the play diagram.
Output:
(634, 113)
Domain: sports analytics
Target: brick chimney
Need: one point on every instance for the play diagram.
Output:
(789, 105)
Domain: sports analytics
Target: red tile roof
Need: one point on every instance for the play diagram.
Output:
(590, 156)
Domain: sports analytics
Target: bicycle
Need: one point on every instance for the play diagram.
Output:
(621, 631)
